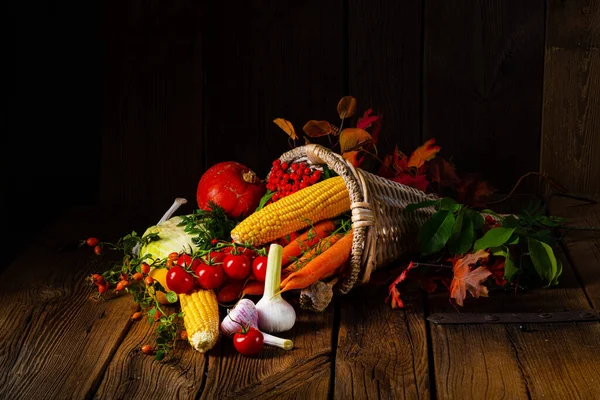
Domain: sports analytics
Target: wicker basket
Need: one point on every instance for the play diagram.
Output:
(383, 232)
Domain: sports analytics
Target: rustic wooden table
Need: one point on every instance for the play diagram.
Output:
(57, 343)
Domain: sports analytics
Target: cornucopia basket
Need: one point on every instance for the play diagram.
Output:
(383, 231)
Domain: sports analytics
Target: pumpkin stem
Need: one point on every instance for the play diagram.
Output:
(250, 177)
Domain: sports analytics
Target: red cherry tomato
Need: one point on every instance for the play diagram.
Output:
(209, 276)
(248, 342)
(179, 280)
(215, 257)
(186, 261)
(236, 266)
(259, 268)
(241, 250)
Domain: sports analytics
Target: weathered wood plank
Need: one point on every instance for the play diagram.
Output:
(132, 374)
(583, 247)
(270, 59)
(153, 142)
(384, 67)
(303, 372)
(382, 352)
(56, 341)
(516, 361)
(570, 151)
(483, 65)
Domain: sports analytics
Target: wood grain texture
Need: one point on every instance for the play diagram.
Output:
(570, 151)
(132, 374)
(301, 373)
(384, 67)
(270, 59)
(152, 146)
(518, 361)
(56, 341)
(381, 352)
(483, 65)
(583, 247)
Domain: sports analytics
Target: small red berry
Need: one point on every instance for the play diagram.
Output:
(98, 250)
(92, 242)
(145, 268)
(147, 349)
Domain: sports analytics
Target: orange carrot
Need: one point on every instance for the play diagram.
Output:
(254, 288)
(306, 240)
(322, 266)
(314, 251)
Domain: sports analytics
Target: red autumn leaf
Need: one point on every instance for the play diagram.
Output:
(423, 153)
(393, 292)
(497, 269)
(366, 120)
(465, 279)
(418, 182)
(376, 128)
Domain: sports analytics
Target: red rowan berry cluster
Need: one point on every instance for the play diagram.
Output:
(286, 179)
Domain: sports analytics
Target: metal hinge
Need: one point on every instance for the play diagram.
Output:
(515, 318)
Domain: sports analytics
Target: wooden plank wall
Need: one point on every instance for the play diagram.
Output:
(127, 102)
(503, 89)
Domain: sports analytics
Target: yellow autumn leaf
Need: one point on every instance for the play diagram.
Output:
(353, 138)
(317, 128)
(287, 127)
(346, 107)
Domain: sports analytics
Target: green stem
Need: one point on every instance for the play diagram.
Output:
(273, 274)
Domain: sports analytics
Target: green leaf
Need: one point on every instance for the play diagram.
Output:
(160, 354)
(559, 270)
(434, 234)
(415, 206)
(476, 218)
(510, 269)
(463, 234)
(543, 260)
(493, 238)
(449, 204)
(263, 200)
(171, 297)
(510, 222)
(514, 239)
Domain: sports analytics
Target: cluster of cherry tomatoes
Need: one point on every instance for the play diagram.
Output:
(212, 271)
(286, 179)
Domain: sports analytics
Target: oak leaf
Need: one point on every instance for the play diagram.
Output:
(423, 153)
(317, 128)
(393, 292)
(346, 107)
(465, 279)
(366, 120)
(287, 127)
(353, 138)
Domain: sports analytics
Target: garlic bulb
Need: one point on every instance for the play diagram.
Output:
(274, 313)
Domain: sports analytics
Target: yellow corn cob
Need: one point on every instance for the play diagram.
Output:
(201, 318)
(326, 199)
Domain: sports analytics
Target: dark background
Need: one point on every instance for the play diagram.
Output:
(126, 103)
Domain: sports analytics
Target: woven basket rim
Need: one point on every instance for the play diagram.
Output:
(363, 258)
